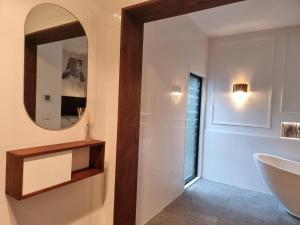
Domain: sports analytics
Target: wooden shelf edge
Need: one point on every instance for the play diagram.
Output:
(85, 173)
(48, 149)
(76, 176)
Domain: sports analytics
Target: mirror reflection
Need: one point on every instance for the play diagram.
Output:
(55, 75)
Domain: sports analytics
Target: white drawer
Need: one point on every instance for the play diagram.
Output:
(45, 171)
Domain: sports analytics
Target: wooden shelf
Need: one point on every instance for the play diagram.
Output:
(16, 158)
(84, 173)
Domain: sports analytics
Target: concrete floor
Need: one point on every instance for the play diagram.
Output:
(210, 203)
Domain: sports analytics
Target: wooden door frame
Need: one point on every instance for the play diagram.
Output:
(130, 84)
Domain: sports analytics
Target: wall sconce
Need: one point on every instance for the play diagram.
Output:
(240, 91)
(240, 88)
(176, 91)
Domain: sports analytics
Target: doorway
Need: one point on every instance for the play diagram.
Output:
(130, 81)
(192, 128)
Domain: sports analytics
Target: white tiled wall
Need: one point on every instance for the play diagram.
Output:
(169, 57)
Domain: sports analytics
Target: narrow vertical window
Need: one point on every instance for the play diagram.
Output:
(192, 128)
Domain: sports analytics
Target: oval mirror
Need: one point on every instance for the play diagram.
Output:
(55, 72)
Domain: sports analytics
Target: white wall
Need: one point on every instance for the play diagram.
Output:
(49, 82)
(81, 203)
(169, 57)
(269, 63)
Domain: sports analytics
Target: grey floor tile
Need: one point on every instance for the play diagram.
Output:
(211, 203)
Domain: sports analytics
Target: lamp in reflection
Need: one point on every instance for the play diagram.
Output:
(176, 93)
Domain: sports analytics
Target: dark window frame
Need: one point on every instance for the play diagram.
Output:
(198, 128)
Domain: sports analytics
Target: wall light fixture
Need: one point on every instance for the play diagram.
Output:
(240, 92)
(240, 88)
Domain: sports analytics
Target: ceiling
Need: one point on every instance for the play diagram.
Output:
(76, 45)
(247, 16)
